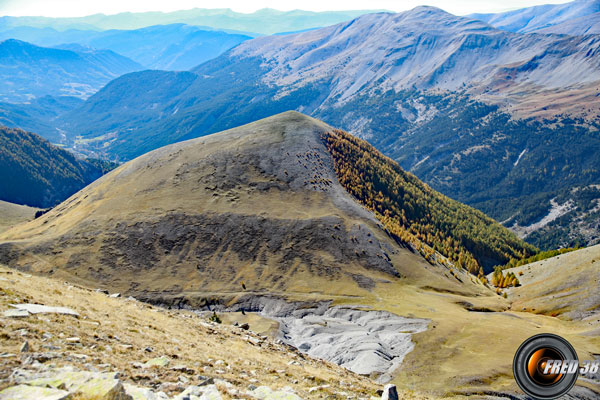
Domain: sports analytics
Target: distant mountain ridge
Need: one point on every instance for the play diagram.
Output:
(265, 21)
(28, 71)
(472, 110)
(575, 18)
(427, 48)
(424, 49)
(587, 25)
(166, 47)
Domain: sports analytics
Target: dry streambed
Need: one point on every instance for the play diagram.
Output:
(366, 342)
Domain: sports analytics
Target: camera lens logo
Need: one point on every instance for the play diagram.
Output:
(546, 366)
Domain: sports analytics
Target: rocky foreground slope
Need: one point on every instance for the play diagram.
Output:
(119, 348)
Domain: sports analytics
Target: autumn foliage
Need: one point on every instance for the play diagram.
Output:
(503, 281)
(416, 214)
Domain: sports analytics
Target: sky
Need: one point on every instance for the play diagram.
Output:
(78, 8)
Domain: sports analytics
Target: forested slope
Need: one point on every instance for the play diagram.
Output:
(415, 213)
(36, 173)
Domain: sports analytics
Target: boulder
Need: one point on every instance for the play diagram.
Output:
(41, 309)
(26, 392)
(16, 313)
(138, 393)
(101, 388)
(208, 392)
(157, 362)
(266, 393)
(93, 385)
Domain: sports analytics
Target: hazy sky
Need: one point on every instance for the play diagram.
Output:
(74, 8)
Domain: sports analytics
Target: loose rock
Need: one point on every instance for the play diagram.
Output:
(266, 393)
(209, 392)
(389, 392)
(25, 392)
(16, 313)
(25, 347)
(183, 368)
(157, 362)
(41, 309)
(317, 388)
(138, 393)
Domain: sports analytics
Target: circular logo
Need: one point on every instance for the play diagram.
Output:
(546, 366)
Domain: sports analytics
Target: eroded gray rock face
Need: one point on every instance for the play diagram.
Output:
(365, 342)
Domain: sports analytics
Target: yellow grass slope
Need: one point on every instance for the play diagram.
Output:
(566, 286)
(14, 214)
(258, 205)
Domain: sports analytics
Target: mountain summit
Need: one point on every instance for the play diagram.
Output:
(576, 17)
(377, 58)
(259, 204)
